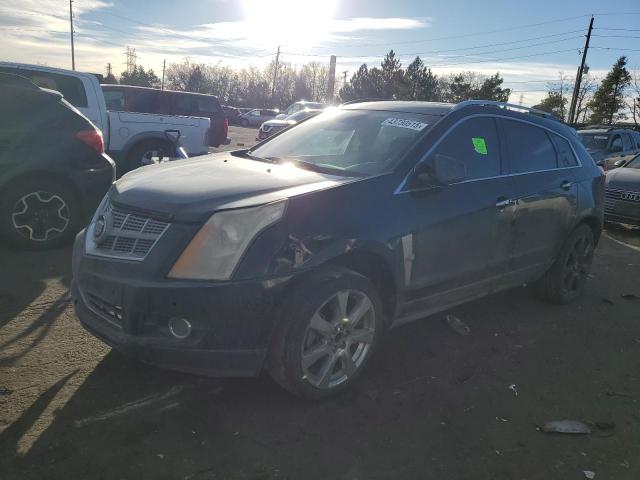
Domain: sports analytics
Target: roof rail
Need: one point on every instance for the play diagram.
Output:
(362, 100)
(505, 106)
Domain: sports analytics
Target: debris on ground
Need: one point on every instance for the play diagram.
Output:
(514, 389)
(160, 456)
(607, 301)
(566, 426)
(5, 391)
(458, 325)
(589, 474)
(629, 296)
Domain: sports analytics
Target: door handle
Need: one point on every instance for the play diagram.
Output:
(504, 202)
(566, 185)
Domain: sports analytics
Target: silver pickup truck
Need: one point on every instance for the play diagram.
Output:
(131, 139)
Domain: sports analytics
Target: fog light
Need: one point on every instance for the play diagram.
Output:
(180, 327)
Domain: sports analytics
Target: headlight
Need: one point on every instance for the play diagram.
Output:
(216, 249)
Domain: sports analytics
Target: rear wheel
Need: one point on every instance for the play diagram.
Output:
(566, 279)
(146, 153)
(39, 214)
(329, 330)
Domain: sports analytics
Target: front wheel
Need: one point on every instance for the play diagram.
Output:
(566, 279)
(329, 330)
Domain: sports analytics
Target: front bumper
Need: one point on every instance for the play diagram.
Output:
(231, 321)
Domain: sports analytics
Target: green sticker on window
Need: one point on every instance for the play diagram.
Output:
(480, 145)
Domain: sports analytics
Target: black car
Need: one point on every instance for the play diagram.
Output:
(622, 196)
(53, 169)
(297, 255)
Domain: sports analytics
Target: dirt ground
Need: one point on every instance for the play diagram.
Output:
(432, 404)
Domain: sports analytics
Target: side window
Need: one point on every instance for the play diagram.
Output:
(70, 87)
(564, 153)
(254, 113)
(528, 147)
(626, 142)
(616, 144)
(186, 104)
(114, 100)
(475, 142)
(145, 101)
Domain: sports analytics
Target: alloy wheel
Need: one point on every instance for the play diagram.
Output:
(338, 339)
(40, 216)
(578, 264)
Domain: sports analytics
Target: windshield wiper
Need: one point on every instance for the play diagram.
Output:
(246, 154)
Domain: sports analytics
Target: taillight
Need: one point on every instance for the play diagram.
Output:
(92, 138)
(226, 127)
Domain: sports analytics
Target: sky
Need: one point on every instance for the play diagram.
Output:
(529, 43)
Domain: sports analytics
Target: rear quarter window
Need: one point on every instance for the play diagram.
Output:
(564, 152)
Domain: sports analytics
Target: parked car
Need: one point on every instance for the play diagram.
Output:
(272, 127)
(257, 116)
(233, 114)
(298, 254)
(609, 145)
(131, 139)
(53, 169)
(622, 196)
(126, 98)
(301, 105)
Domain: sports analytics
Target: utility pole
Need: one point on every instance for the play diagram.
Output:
(344, 77)
(331, 84)
(581, 71)
(164, 64)
(73, 51)
(275, 74)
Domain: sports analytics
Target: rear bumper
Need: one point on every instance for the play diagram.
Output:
(95, 182)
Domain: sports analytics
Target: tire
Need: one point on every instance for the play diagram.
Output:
(136, 156)
(312, 325)
(39, 214)
(244, 122)
(566, 278)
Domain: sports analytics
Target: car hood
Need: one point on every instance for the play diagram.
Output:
(624, 179)
(190, 190)
(278, 123)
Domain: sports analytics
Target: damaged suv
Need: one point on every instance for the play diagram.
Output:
(296, 256)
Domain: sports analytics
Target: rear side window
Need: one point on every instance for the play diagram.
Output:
(616, 144)
(114, 100)
(529, 147)
(626, 140)
(475, 142)
(70, 87)
(145, 101)
(564, 153)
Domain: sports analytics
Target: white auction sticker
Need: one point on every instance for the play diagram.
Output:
(410, 124)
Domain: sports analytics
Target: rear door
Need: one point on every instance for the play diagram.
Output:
(542, 164)
(462, 237)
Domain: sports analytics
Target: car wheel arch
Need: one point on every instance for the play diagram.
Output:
(37, 175)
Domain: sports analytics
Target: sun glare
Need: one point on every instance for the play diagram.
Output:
(297, 24)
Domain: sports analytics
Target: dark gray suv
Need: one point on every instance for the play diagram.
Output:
(296, 256)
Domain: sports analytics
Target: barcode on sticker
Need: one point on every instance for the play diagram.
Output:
(401, 123)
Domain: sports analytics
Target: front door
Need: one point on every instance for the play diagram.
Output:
(461, 240)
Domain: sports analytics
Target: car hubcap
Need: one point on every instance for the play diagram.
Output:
(40, 216)
(338, 339)
(578, 265)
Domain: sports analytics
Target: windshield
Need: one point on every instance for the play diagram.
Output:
(301, 115)
(361, 142)
(635, 163)
(594, 141)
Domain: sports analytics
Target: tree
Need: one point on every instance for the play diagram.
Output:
(422, 83)
(140, 77)
(554, 103)
(609, 99)
(491, 89)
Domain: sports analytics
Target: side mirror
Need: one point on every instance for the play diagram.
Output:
(600, 163)
(443, 170)
(615, 148)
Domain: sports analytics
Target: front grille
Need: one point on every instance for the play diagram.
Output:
(128, 235)
(613, 197)
(112, 313)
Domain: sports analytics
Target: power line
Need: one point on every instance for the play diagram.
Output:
(616, 36)
(621, 49)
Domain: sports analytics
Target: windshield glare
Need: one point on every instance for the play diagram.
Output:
(594, 141)
(361, 142)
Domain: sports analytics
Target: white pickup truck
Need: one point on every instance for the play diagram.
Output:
(131, 139)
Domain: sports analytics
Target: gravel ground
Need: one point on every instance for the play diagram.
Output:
(432, 404)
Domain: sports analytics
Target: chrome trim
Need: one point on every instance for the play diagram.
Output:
(504, 106)
(400, 189)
